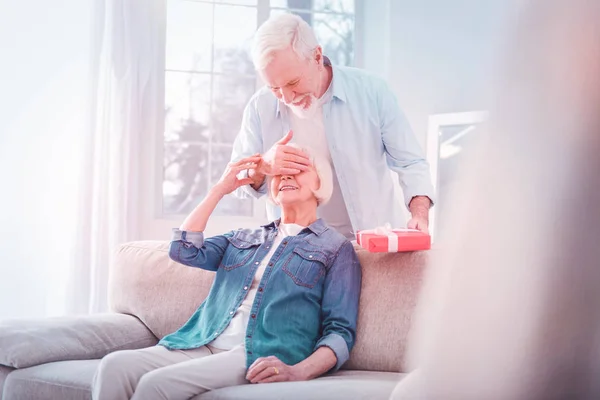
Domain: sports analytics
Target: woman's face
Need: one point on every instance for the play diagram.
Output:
(294, 189)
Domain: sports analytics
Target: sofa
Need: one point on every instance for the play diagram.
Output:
(150, 296)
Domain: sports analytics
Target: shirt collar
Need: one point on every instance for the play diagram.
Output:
(317, 227)
(337, 85)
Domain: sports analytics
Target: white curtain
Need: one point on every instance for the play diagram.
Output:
(43, 116)
(127, 103)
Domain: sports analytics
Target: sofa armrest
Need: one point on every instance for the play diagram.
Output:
(28, 342)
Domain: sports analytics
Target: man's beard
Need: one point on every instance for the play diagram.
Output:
(309, 111)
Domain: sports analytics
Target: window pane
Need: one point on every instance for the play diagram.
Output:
(229, 205)
(340, 6)
(231, 94)
(186, 180)
(243, 2)
(189, 36)
(234, 28)
(335, 33)
(187, 106)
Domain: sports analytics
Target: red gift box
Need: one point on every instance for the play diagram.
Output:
(393, 240)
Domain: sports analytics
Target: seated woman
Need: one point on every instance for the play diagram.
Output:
(282, 307)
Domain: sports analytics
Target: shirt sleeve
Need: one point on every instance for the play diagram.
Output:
(403, 152)
(191, 249)
(340, 304)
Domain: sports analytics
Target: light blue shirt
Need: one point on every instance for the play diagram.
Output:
(368, 135)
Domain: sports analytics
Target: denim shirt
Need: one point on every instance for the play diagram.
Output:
(307, 298)
(368, 136)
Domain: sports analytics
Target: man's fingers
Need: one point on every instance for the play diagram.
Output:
(245, 181)
(286, 138)
(238, 168)
(294, 157)
(273, 378)
(288, 171)
(294, 165)
(295, 151)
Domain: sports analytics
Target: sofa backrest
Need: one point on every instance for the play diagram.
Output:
(163, 294)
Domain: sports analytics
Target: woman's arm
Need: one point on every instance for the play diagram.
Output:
(188, 245)
(198, 218)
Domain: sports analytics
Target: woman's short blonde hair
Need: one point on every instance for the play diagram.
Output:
(324, 172)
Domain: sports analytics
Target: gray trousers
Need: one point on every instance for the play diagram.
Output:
(159, 373)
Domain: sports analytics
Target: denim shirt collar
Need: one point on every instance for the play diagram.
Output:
(317, 227)
(337, 85)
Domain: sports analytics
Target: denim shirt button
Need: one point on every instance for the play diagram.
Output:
(253, 315)
(256, 263)
(245, 287)
(230, 312)
(260, 289)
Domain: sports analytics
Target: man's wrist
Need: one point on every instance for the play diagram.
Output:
(419, 206)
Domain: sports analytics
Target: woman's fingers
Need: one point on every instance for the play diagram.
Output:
(247, 160)
(256, 368)
(265, 373)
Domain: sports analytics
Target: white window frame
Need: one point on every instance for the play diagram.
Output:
(154, 224)
(435, 123)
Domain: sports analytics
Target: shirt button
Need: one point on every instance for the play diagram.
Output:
(245, 287)
(310, 256)
(256, 263)
(230, 312)
(253, 315)
(260, 289)
(271, 264)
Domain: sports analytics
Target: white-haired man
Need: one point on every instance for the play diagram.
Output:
(348, 115)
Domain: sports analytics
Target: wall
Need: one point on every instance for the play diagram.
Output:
(444, 53)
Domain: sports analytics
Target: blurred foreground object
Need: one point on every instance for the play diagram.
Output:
(510, 309)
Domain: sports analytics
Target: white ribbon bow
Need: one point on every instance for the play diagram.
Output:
(386, 230)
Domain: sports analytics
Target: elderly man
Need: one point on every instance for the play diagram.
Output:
(349, 116)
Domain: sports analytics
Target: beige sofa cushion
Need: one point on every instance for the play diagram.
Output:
(390, 285)
(164, 294)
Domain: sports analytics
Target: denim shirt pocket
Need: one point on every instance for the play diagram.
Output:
(305, 266)
(240, 250)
